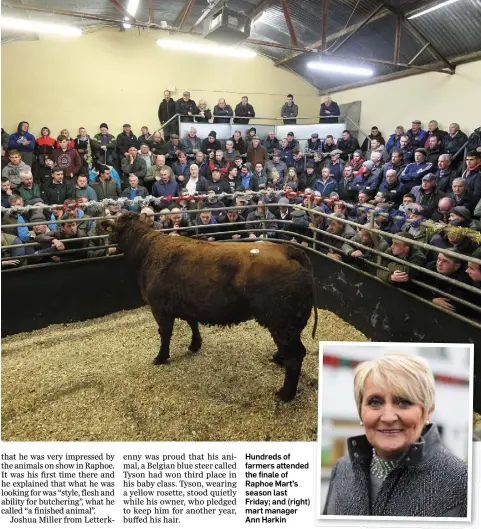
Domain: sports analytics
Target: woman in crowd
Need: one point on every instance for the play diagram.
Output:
(204, 112)
(400, 466)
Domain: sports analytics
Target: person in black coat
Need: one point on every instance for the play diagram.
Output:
(125, 140)
(165, 112)
(347, 144)
(186, 107)
(205, 113)
(211, 143)
(56, 191)
(453, 141)
(243, 111)
(222, 112)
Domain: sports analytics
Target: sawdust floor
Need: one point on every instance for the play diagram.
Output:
(95, 381)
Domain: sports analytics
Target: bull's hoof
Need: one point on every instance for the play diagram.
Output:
(194, 348)
(285, 395)
(160, 361)
(278, 359)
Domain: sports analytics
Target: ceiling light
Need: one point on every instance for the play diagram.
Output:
(337, 68)
(131, 10)
(210, 49)
(437, 6)
(39, 27)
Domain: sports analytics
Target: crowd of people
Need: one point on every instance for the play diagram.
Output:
(403, 180)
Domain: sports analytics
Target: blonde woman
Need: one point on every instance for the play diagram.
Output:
(399, 467)
(204, 111)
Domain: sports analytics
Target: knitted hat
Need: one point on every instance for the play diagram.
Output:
(213, 134)
(369, 164)
(463, 212)
(37, 216)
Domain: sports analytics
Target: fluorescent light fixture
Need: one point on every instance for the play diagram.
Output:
(210, 49)
(131, 10)
(39, 27)
(337, 68)
(437, 6)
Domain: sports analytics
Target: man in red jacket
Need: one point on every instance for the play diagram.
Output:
(67, 158)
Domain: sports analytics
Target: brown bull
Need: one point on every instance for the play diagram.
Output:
(217, 283)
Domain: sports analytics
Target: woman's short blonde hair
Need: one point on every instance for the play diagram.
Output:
(404, 374)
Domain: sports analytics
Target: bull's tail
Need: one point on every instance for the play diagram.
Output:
(301, 257)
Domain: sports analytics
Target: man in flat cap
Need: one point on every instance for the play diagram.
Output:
(186, 107)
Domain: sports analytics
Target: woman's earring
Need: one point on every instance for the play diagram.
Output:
(361, 423)
(427, 421)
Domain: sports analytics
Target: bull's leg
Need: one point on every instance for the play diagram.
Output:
(196, 342)
(293, 354)
(166, 326)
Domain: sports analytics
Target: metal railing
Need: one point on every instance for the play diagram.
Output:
(318, 239)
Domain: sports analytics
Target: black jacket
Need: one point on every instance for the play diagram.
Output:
(57, 193)
(444, 182)
(207, 146)
(347, 146)
(166, 110)
(452, 145)
(124, 143)
(244, 111)
(184, 107)
(206, 118)
(222, 115)
(239, 146)
(475, 140)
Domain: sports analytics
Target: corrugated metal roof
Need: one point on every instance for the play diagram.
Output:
(454, 29)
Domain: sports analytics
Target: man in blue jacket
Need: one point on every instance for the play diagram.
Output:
(417, 136)
(325, 184)
(165, 187)
(23, 142)
(329, 112)
(414, 172)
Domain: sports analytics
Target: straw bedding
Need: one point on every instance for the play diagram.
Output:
(95, 381)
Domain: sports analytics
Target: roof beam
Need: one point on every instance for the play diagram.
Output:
(325, 15)
(78, 14)
(151, 11)
(338, 34)
(358, 27)
(289, 23)
(121, 8)
(397, 39)
(420, 37)
(346, 31)
(182, 17)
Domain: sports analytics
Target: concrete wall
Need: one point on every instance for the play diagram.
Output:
(120, 77)
(445, 98)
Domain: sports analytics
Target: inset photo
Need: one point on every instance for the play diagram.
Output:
(395, 431)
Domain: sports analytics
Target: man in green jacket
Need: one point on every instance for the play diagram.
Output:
(27, 189)
(399, 273)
